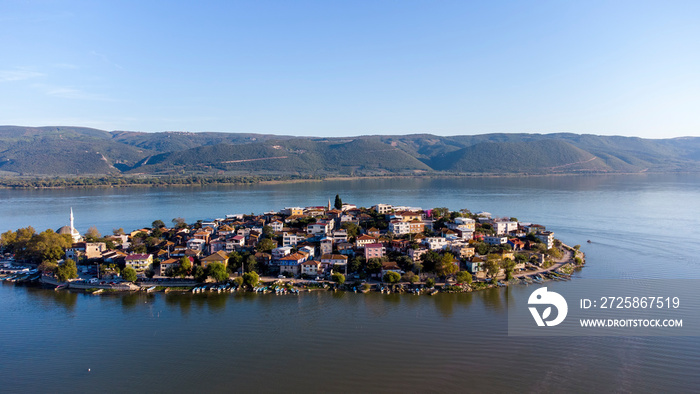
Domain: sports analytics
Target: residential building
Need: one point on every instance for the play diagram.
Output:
(363, 240)
(218, 257)
(374, 251)
(435, 243)
(495, 239)
(547, 237)
(139, 262)
(382, 209)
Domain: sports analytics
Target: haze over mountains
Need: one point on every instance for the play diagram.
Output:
(64, 151)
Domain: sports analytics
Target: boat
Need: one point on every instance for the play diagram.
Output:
(150, 289)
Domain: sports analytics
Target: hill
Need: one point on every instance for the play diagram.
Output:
(63, 151)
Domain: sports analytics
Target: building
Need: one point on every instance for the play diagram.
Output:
(399, 227)
(363, 240)
(374, 251)
(86, 250)
(435, 243)
(382, 209)
(495, 239)
(218, 257)
(547, 238)
(139, 262)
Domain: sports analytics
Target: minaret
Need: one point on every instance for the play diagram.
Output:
(72, 229)
(75, 235)
(329, 204)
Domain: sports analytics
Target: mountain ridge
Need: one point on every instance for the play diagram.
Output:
(67, 150)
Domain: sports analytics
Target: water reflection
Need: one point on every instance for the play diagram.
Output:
(64, 299)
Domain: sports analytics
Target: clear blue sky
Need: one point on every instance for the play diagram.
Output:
(328, 68)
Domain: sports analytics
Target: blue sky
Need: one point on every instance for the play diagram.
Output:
(332, 68)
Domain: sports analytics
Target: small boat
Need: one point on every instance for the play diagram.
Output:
(150, 289)
(589, 241)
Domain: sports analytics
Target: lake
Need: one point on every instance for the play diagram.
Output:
(640, 227)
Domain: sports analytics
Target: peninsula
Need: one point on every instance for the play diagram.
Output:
(340, 246)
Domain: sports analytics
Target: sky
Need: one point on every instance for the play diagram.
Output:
(346, 68)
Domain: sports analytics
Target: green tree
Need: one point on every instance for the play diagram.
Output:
(129, 274)
(268, 232)
(492, 267)
(555, 253)
(508, 267)
(374, 265)
(217, 271)
(184, 268)
(8, 239)
(118, 231)
(409, 277)
(46, 246)
(199, 274)
(464, 277)
(251, 278)
(265, 246)
(338, 278)
(67, 270)
(351, 228)
(157, 224)
(447, 266)
(391, 277)
(430, 282)
(234, 262)
(338, 202)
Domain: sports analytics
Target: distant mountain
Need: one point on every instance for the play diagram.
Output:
(62, 151)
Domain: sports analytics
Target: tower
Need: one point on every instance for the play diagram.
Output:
(73, 232)
(329, 204)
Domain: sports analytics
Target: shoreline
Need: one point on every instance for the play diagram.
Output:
(205, 181)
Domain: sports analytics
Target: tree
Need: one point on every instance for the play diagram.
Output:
(509, 267)
(185, 267)
(217, 271)
(92, 234)
(234, 262)
(338, 278)
(268, 232)
(391, 277)
(351, 228)
(464, 277)
(430, 282)
(409, 277)
(374, 265)
(199, 274)
(492, 267)
(266, 245)
(67, 270)
(447, 266)
(129, 274)
(157, 224)
(338, 202)
(179, 223)
(46, 246)
(554, 252)
(8, 239)
(251, 278)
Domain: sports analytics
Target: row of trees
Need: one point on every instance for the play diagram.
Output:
(47, 246)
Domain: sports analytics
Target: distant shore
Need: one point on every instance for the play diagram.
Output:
(91, 182)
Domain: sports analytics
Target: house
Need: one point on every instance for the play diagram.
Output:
(416, 254)
(322, 227)
(382, 209)
(390, 266)
(516, 244)
(326, 245)
(475, 266)
(501, 226)
(462, 250)
(363, 240)
(113, 256)
(276, 226)
(374, 232)
(399, 245)
(330, 260)
(311, 268)
(289, 239)
(86, 250)
(217, 245)
(399, 227)
(340, 235)
(495, 239)
(416, 226)
(308, 249)
(293, 211)
(169, 263)
(290, 263)
(139, 262)
(196, 244)
(203, 235)
(374, 251)
(278, 253)
(345, 248)
(218, 257)
(547, 238)
(435, 243)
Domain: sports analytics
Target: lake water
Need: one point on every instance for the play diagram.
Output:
(640, 227)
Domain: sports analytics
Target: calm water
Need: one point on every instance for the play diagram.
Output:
(641, 227)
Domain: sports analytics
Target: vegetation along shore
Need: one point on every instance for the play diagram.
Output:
(338, 246)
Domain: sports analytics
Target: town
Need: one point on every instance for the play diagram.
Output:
(339, 245)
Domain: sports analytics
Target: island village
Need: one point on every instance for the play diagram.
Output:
(338, 246)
